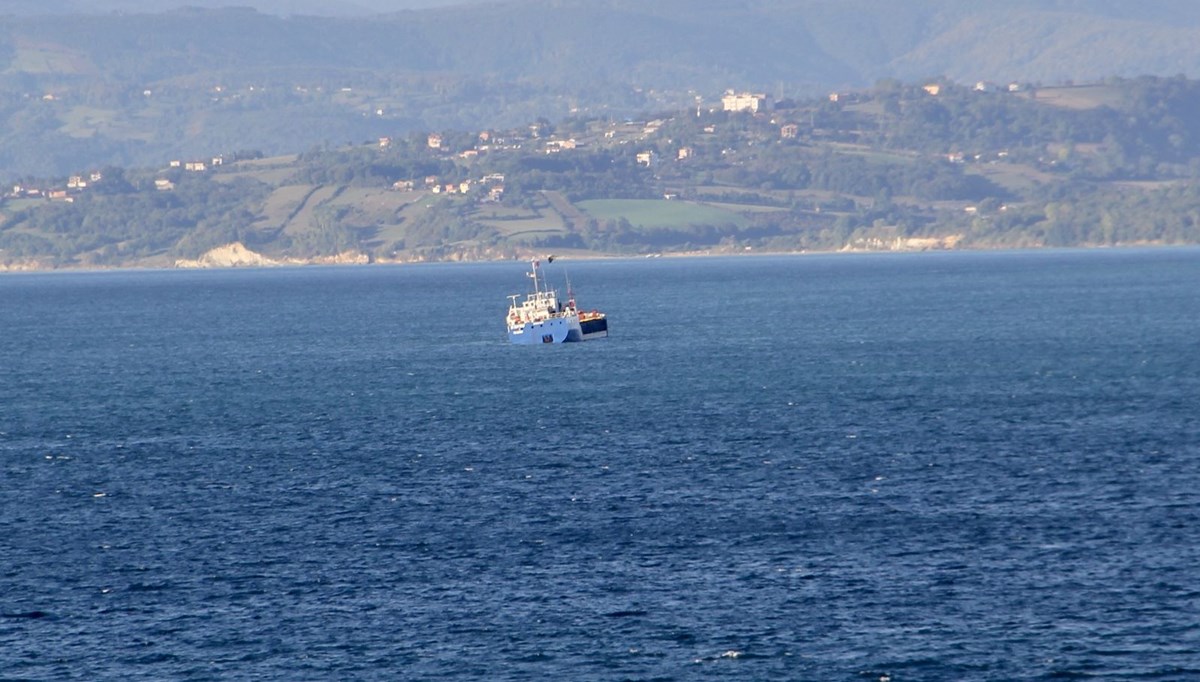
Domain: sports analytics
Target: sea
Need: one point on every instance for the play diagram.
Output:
(942, 466)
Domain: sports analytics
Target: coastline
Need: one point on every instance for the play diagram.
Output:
(236, 256)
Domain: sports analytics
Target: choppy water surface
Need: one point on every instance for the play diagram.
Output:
(941, 467)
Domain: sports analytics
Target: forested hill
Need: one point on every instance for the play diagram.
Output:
(916, 166)
(136, 89)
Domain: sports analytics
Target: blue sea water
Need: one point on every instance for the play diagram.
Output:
(918, 467)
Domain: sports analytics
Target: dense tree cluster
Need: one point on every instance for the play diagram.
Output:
(117, 227)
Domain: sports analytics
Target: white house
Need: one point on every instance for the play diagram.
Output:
(745, 101)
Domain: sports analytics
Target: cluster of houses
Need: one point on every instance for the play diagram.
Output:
(75, 185)
(619, 133)
(959, 157)
(491, 186)
(197, 166)
(79, 183)
(166, 185)
(486, 141)
(935, 89)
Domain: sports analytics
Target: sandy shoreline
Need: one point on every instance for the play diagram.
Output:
(245, 259)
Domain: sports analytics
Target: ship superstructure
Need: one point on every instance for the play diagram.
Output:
(543, 318)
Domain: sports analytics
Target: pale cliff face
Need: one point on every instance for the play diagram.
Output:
(228, 256)
(236, 255)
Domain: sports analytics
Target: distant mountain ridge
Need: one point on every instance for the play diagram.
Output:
(485, 64)
(279, 7)
(671, 42)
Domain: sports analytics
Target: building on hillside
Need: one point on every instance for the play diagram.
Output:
(163, 185)
(684, 153)
(933, 89)
(403, 185)
(435, 141)
(646, 159)
(745, 102)
(789, 131)
(553, 146)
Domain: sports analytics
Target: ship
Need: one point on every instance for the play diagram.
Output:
(544, 318)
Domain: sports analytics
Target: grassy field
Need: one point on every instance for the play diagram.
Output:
(15, 205)
(512, 228)
(395, 228)
(374, 200)
(275, 177)
(273, 171)
(270, 161)
(1014, 177)
(874, 155)
(659, 213)
(745, 208)
(87, 121)
(281, 204)
(303, 221)
(1078, 97)
(31, 57)
(528, 236)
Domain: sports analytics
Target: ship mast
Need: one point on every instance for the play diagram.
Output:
(534, 274)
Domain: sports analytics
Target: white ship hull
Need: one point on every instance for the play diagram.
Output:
(554, 330)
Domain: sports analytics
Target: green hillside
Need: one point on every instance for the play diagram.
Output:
(660, 214)
(896, 167)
